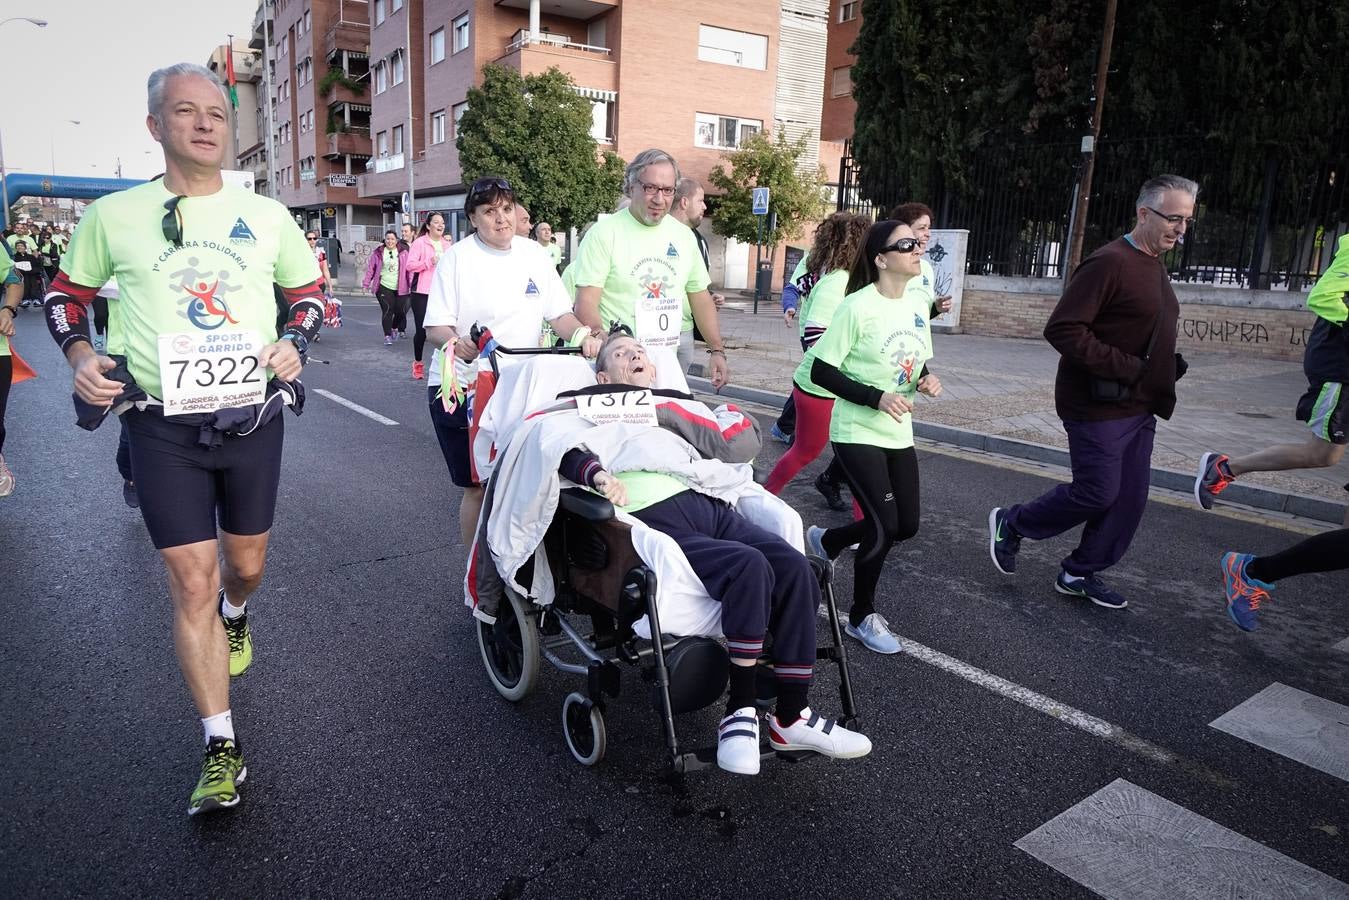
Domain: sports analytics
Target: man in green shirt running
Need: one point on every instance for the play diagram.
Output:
(195, 262)
(639, 265)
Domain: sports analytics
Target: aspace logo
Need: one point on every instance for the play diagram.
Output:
(241, 233)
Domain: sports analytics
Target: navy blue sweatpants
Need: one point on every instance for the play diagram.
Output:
(764, 584)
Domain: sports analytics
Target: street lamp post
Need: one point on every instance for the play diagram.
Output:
(4, 181)
(51, 144)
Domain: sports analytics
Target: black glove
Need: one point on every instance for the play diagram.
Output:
(1181, 367)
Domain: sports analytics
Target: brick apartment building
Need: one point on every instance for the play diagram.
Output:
(367, 93)
(319, 121)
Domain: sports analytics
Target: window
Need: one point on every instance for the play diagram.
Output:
(305, 22)
(379, 12)
(841, 82)
(597, 33)
(847, 10)
(458, 113)
(396, 65)
(304, 72)
(723, 131)
(732, 48)
(382, 143)
(310, 117)
(437, 45)
(397, 5)
(397, 139)
(438, 127)
(459, 27)
(602, 120)
(381, 78)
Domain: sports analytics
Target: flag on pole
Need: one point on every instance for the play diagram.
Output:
(229, 73)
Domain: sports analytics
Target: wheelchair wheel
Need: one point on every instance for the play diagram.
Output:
(583, 727)
(510, 649)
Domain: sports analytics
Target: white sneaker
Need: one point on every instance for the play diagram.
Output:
(6, 479)
(815, 545)
(813, 732)
(875, 634)
(738, 742)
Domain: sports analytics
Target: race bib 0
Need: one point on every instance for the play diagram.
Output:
(627, 407)
(658, 321)
(201, 373)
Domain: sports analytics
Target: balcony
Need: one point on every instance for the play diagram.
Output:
(255, 37)
(353, 37)
(355, 141)
(522, 39)
(384, 164)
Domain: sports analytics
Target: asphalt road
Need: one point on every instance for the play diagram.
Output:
(381, 763)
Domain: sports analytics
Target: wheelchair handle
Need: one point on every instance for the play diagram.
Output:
(529, 351)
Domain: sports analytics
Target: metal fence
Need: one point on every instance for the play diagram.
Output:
(1271, 223)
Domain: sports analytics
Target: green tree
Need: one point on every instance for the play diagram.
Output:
(534, 131)
(762, 161)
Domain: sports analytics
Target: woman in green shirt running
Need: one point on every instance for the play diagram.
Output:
(873, 358)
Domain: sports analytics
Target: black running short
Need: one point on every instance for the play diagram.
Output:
(1323, 408)
(452, 432)
(185, 488)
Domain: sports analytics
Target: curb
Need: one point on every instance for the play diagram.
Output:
(1262, 498)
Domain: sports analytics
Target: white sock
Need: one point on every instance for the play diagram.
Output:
(229, 610)
(218, 725)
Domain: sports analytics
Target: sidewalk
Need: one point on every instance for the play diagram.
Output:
(1003, 388)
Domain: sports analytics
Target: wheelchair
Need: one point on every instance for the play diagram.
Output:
(602, 590)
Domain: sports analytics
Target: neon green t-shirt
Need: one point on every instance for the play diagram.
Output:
(235, 245)
(554, 253)
(569, 281)
(883, 343)
(388, 273)
(825, 299)
(7, 277)
(652, 266)
(1327, 296)
(648, 488)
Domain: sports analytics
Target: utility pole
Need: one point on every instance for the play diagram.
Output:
(410, 141)
(1079, 216)
(267, 97)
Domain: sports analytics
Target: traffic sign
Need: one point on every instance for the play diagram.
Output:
(759, 203)
(407, 203)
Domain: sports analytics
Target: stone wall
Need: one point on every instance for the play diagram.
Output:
(1272, 324)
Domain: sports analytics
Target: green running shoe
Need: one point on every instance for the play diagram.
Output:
(221, 774)
(241, 642)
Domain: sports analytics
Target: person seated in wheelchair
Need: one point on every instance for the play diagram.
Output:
(764, 584)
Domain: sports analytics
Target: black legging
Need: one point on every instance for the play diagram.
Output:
(884, 483)
(6, 376)
(419, 316)
(100, 315)
(388, 308)
(1327, 552)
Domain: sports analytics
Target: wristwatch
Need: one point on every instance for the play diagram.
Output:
(299, 340)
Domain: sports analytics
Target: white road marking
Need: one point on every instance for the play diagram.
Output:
(1063, 712)
(1295, 724)
(1124, 841)
(355, 407)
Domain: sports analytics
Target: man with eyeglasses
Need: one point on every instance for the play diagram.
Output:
(199, 374)
(1115, 330)
(639, 266)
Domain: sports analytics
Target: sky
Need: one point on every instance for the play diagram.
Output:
(90, 64)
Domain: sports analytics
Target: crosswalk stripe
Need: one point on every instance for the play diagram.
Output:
(1301, 726)
(1127, 842)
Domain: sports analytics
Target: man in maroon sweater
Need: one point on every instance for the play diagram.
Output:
(1115, 330)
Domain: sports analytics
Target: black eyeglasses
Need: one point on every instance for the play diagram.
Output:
(1174, 218)
(173, 222)
(903, 245)
(311, 237)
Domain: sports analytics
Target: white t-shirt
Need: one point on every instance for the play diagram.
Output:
(509, 292)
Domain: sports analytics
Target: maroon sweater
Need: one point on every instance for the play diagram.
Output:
(1101, 328)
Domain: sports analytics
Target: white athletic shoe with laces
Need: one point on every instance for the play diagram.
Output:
(738, 742)
(6, 479)
(814, 732)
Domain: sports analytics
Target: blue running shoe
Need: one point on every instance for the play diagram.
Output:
(1089, 588)
(1244, 593)
(875, 634)
(1003, 542)
(815, 544)
(779, 435)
